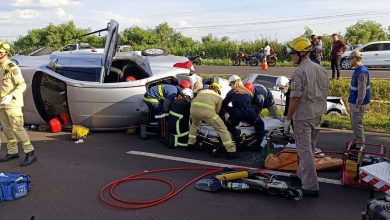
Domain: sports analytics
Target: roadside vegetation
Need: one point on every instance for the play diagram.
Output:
(218, 51)
(377, 117)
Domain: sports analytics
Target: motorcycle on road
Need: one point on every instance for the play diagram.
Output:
(250, 60)
(271, 59)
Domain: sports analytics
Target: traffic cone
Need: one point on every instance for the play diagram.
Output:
(264, 65)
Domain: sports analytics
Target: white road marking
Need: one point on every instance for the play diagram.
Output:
(207, 163)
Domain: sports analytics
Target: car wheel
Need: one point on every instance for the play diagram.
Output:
(344, 64)
(334, 112)
(153, 52)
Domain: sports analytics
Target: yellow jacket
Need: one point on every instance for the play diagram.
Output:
(12, 83)
(207, 99)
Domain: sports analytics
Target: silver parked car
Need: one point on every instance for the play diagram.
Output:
(335, 105)
(91, 87)
(375, 54)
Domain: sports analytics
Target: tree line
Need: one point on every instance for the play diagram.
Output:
(164, 36)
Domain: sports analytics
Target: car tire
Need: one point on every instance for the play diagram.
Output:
(334, 112)
(153, 52)
(344, 64)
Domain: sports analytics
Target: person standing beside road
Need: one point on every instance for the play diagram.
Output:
(313, 52)
(309, 89)
(267, 49)
(11, 115)
(338, 48)
(359, 94)
(357, 45)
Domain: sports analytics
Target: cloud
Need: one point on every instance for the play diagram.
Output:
(60, 3)
(46, 3)
(26, 14)
(62, 15)
(18, 3)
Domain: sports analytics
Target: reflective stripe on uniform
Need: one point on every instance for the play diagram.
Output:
(355, 88)
(160, 91)
(150, 99)
(191, 136)
(201, 104)
(215, 117)
(179, 116)
(226, 143)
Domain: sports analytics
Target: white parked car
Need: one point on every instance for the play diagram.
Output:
(375, 54)
(335, 105)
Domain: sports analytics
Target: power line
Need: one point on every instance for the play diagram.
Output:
(284, 20)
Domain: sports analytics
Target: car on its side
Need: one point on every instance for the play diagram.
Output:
(375, 54)
(335, 105)
(92, 88)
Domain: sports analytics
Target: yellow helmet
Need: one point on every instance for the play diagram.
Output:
(216, 86)
(4, 47)
(300, 44)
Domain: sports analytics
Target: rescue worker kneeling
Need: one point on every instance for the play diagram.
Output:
(179, 119)
(158, 98)
(205, 107)
(242, 109)
(262, 98)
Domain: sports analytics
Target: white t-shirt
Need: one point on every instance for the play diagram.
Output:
(267, 50)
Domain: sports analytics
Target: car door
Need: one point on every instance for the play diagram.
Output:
(371, 54)
(100, 105)
(385, 54)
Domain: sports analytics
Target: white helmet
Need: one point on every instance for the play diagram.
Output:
(233, 78)
(188, 92)
(282, 81)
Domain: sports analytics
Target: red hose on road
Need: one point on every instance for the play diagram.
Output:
(115, 201)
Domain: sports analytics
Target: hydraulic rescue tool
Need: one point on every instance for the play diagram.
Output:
(249, 181)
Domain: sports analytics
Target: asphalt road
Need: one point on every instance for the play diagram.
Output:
(280, 71)
(67, 178)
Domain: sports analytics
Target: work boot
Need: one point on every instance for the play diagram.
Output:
(30, 158)
(310, 193)
(232, 155)
(9, 157)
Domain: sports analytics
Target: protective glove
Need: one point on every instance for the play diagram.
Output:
(263, 142)
(160, 116)
(6, 99)
(287, 125)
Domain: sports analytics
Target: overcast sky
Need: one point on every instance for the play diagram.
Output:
(239, 20)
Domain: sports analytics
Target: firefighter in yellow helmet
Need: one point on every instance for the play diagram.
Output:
(309, 89)
(11, 116)
(205, 107)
